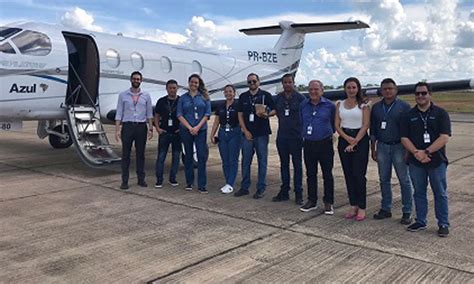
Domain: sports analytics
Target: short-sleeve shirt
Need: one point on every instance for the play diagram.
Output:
(260, 126)
(166, 108)
(413, 128)
(228, 115)
(391, 115)
(193, 109)
(288, 113)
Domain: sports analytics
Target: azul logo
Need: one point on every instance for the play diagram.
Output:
(23, 89)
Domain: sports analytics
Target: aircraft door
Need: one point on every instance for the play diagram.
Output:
(83, 114)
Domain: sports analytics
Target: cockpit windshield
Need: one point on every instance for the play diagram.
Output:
(15, 40)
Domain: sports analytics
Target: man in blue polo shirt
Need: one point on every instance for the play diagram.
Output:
(387, 150)
(256, 129)
(317, 116)
(425, 131)
(289, 141)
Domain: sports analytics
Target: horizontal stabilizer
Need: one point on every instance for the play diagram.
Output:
(305, 28)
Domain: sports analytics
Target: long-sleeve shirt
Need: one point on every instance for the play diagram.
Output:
(320, 117)
(193, 109)
(130, 111)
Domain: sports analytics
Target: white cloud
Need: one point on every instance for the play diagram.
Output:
(465, 36)
(162, 36)
(79, 18)
(201, 33)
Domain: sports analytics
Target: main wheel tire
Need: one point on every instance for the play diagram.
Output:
(57, 142)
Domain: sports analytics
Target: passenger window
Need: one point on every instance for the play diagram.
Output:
(113, 58)
(32, 43)
(7, 48)
(137, 60)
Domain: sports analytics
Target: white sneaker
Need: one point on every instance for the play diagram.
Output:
(224, 189)
(227, 189)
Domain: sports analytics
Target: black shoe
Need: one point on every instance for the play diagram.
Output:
(443, 231)
(240, 192)
(310, 205)
(258, 195)
(124, 186)
(188, 187)
(416, 227)
(142, 183)
(280, 197)
(174, 183)
(382, 214)
(299, 199)
(406, 219)
(159, 185)
(203, 190)
(328, 209)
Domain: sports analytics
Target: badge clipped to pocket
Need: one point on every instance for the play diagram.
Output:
(251, 117)
(383, 125)
(287, 112)
(426, 137)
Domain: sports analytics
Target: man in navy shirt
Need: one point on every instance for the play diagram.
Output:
(317, 116)
(167, 126)
(256, 130)
(425, 131)
(289, 141)
(387, 149)
(134, 110)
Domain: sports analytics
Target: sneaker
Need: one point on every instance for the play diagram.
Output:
(174, 183)
(124, 186)
(416, 227)
(328, 209)
(142, 183)
(240, 192)
(382, 214)
(203, 190)
(258, 195)
(298, 199)
(280, 197)
(443, 231)
(406, 219)
(188, 187)
(310, 205)
(227, 189)
(158, 185)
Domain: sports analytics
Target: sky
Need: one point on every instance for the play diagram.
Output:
(407, 40)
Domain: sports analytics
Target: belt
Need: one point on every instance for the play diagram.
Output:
(391, 143)
(133, 122)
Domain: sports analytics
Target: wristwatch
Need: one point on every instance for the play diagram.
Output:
(427, 152)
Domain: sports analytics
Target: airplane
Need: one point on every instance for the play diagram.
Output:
(69, 79)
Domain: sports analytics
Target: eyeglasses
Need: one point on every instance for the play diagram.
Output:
(252, 82)
(421, 93)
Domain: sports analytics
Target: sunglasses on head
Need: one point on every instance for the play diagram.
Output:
(251, 82)
(421, 93)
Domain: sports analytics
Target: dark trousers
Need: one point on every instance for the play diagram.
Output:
(164, 142)
(290, 147)
(137, 133)
(354, 165)
(321, 152)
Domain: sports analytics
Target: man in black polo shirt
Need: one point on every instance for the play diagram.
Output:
(167, 126)
(289, 141)
(254, 109)
(425, 131)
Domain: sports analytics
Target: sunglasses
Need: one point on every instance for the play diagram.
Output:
(421, 93)
(252, 82)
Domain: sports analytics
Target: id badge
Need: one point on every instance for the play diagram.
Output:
(426, 137)
(309, 130)
(227, 127)
(287, 112)
(251, 117)
(383, 125)
(170, 122)
(196, 116)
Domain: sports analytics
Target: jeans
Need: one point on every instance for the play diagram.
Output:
(321, 152)
(229, 148)
(437, 177)
(164, 141)
(200, 140)
(386, 156)
(133, 133)
(354, 166)
(290, 147)
(260, 145)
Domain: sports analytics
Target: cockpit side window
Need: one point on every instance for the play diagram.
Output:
(6, 32)
(32, 43)
(6, 48)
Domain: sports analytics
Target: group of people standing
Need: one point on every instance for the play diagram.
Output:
(411, 139)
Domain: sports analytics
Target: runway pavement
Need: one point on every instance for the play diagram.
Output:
(61, 221)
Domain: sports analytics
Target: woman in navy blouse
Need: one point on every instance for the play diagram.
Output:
(193, 111)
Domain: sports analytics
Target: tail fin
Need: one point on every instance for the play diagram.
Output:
(291, 42)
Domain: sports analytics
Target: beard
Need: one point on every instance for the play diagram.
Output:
(135, 85)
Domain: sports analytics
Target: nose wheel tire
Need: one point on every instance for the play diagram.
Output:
(60, 142)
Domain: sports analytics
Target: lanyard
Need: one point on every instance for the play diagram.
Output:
(135, 99)
(227, 116)
(425, 119)
(385, 111)
(171, 106)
